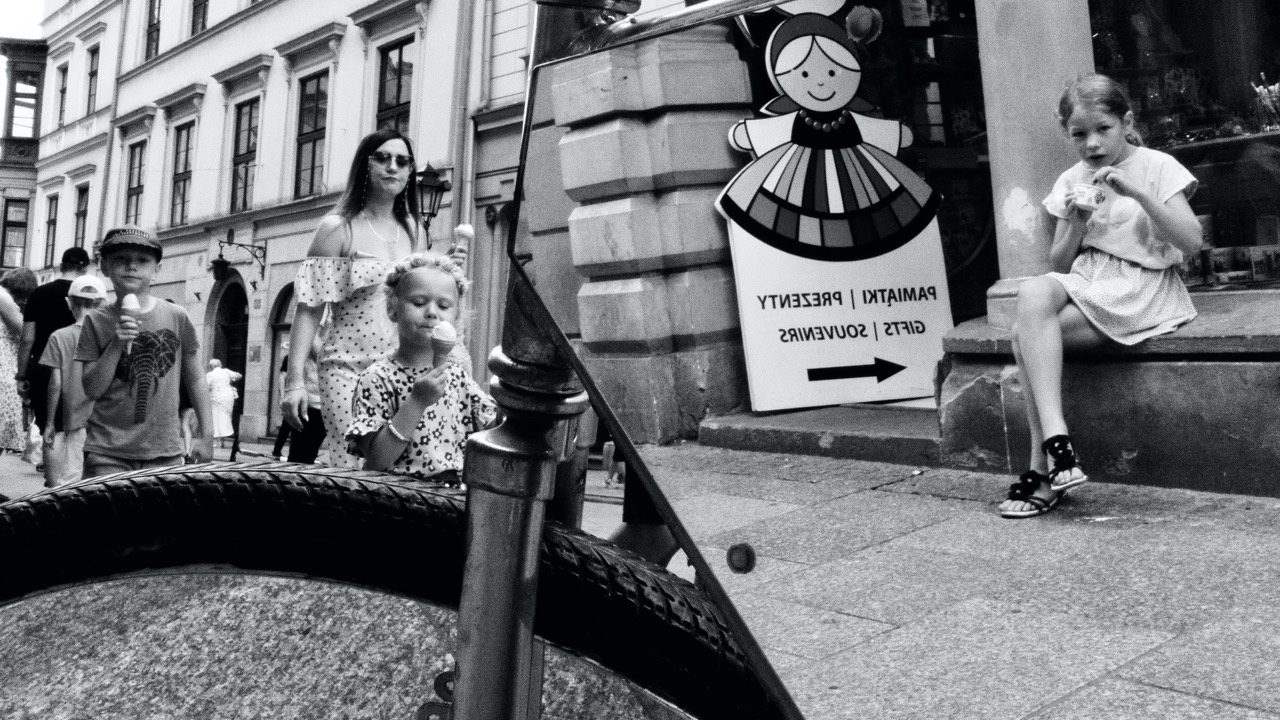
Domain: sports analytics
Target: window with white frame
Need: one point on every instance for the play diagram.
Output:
(82, 216)
(50, 229)
(181, 200)
(395, 85)
(244, 154)
(137, 170)
(13, 234)
(91, 82)
(313, 109)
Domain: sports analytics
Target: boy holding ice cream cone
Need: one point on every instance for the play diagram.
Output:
(414, 409)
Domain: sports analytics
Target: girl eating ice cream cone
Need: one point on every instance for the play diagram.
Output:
(414, 409)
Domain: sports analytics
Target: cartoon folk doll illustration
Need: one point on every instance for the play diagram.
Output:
(837, 255)
(825, 183)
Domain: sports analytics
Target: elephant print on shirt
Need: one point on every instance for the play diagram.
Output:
(152, 356)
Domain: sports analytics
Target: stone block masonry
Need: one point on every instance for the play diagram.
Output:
(643, 152)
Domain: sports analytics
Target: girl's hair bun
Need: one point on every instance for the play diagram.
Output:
(864, 24)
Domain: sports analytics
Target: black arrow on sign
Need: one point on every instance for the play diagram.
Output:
(881, 370)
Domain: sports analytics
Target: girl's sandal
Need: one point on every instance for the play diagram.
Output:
(1023, 491)
(1059, 449)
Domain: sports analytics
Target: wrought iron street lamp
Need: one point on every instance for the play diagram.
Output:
(431, 190)
(222, 266)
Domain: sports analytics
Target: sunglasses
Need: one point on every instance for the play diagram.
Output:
(384, 158)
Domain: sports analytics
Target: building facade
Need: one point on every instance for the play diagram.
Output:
(19, 131)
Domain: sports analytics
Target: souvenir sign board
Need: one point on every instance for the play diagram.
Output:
(841, 282)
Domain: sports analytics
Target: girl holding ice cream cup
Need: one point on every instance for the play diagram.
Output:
(1123, 225)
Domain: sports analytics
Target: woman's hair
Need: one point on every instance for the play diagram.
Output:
(215, 363)
(1097, 92)
(416, 261)
(405, 206)
(20, 282)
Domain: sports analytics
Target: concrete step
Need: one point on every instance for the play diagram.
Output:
(903, 435)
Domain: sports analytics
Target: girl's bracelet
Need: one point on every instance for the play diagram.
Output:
(395, 433)
(295, 387)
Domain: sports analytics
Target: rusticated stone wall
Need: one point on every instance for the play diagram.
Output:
(641, 133)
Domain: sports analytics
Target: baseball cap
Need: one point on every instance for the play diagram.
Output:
(88, 286)
(130, 235)
(76, 256)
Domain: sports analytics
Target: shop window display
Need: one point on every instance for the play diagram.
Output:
(1204, 77)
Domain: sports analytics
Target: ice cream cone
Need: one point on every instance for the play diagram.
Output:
(443, 338)
(129, 304)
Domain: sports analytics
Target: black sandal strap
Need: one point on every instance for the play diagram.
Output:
(1027, 484)
(1064, 457)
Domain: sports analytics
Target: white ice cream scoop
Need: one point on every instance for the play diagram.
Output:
(443, 338)
(129, 303)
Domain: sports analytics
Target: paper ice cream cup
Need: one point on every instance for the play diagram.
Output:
(1088, 196)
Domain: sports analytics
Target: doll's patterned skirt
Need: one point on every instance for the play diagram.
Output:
(846, 203)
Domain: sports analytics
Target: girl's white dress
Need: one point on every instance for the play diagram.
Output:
(1124, 280)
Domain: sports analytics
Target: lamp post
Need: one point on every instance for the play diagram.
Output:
(431, 190)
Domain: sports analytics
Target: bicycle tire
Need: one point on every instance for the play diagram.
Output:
(595, 600)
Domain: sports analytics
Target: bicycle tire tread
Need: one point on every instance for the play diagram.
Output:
(366, 528)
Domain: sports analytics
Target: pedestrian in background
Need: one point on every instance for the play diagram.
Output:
(46, 312)
(65, 402)
(1124, 223)
(222, 397)
(15, 287)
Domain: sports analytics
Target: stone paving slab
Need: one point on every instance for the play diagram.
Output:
(842, 527)
(1162, 576)
(804, 631)
(710, 514)
(1235, 659)
(977, 660)
(1122, 700)
(897, 585)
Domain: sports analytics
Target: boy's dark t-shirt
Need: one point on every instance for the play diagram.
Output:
(137, 417)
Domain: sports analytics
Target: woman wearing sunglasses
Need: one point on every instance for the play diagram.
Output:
(375, 223)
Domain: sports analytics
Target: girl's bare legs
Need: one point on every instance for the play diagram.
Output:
(1047, 323)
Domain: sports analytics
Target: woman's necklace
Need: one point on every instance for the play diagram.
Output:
(377, 234)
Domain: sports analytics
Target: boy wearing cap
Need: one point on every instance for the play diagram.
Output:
(133, 362)
(64, 445)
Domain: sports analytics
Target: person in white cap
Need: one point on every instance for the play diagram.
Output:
(64, 432)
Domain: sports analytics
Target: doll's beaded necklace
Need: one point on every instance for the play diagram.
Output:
(824, 126)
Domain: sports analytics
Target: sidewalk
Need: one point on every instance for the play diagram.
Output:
(882, 591)
(885, 591)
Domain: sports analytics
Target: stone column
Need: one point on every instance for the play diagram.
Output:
(1028, 53)
(643, 156)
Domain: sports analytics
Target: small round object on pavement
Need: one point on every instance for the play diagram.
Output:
(741, 558)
